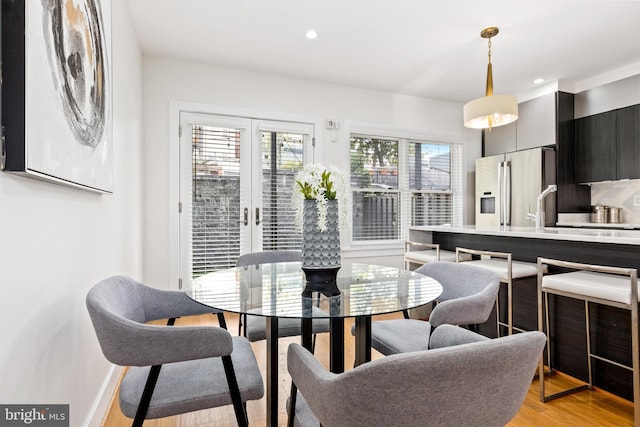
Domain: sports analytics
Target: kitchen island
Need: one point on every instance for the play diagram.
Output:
(610, 327)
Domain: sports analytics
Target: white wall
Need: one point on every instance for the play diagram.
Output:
(167, 81)
(56, 242)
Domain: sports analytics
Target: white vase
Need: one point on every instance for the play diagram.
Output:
(320, 249)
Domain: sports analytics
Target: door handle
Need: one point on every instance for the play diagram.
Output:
(257, 216)
(246, 216)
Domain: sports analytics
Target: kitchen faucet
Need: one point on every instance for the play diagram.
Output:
(539, 215)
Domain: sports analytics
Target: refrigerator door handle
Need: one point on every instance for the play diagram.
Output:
(507, 193)
(501, 192)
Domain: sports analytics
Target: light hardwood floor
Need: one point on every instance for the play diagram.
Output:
(595, 408)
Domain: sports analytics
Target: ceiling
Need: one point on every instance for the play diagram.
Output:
(414, 47)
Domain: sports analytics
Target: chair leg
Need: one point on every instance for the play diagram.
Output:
(236, 398)
(635, 362)
(221, 321)
(147, 393)
(588, 330)
(498, 334)
(546, 319)
(541, 329)
(510, 306)
(244, 329)
(292, 405)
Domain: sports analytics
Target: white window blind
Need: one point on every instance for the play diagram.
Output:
(402, 182)
(430, 183)
(282, 155)
(215, 198)
(376, 194)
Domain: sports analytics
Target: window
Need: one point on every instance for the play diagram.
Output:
(430, 183)
(402, 182)
(376, 195)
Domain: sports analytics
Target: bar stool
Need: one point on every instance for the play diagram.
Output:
(612, 286)
(424, 253)
(508, 270)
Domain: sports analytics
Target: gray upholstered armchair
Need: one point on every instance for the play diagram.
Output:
(464, 380)
(180, 368)
(468, 297)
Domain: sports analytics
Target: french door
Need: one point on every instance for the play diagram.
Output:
(236, 179)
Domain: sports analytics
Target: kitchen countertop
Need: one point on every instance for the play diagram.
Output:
(619, 225)
(621, 237)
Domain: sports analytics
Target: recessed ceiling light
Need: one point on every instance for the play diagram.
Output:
(538, 80)
(311, 34)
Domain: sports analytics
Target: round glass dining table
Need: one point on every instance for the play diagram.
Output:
(279, 290)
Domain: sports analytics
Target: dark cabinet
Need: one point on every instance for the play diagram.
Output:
(608, 146)
(571, 197)
(596, 148)
(628, 142)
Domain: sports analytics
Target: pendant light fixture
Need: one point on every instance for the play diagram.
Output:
(491, 110)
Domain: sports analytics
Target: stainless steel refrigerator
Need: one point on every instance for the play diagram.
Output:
(508, 185)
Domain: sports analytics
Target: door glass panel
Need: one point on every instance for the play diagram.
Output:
(215, 198)
(282, 158)
(236, 180)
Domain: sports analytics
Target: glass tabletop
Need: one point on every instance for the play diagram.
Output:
(276, 290)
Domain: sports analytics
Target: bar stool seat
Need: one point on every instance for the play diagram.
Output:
(424, 253)
(612, 286)
(519, 269)
(604, 286)
(429, 255)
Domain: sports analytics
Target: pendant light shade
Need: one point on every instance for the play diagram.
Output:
(491, 110)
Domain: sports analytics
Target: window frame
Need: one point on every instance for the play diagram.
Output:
(404, 136)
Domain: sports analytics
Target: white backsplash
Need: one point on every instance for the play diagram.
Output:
(619, 194)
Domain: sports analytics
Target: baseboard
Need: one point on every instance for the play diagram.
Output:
(101, 404)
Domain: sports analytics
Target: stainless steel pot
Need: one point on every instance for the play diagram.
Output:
(599, 214)
(615, 215)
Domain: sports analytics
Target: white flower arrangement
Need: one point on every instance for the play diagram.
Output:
(315, 182)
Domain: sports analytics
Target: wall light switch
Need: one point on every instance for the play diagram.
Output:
(330, 124)
(636, 200)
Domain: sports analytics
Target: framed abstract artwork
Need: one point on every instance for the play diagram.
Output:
(56, 91)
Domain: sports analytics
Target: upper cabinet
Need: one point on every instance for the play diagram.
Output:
(608, 146)
(537, 126)
(628, 142)
(596, 148)
(501, 139)
(537, 122)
